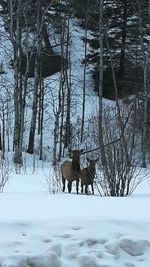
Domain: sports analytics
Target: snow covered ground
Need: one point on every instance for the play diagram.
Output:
(40, 229)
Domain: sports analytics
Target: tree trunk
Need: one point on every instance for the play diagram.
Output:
(42, 120)
(17, 81)
(123, 41)
(68, 85)
(61, 103)
(84, 75)
(20, 84)
(145, 136)
(0, 139)
(36, 79)
(101, 141)
(3, 144)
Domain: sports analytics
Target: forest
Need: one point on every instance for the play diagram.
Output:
(75, 74)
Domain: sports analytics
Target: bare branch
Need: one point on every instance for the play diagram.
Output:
(114, 141)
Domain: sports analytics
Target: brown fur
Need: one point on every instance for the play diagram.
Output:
(87, 175)
(70, 170)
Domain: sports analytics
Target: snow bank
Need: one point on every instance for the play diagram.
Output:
(14, 261)
(38, 229)
(88, 261)
(56, 248)
(48, 259)
(134, 247)
(113, 248)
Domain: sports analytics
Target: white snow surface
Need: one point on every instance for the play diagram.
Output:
(40, 229)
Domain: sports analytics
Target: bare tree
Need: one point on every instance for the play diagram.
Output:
(62, 130)
(84, 72)
(5, 172)
(117, 159)
(16, 19)
(16, 39)
(3, 128)
(101, 35)
(67, 141)
(38, 40)
(123, 40)
(145, 62)
(121, 174)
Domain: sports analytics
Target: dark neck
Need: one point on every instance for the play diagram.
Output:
(76, 165)
(92, 170)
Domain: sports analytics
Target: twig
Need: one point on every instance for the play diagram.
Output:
(112, 142)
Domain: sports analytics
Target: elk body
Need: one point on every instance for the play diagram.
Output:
(87, 175)
(70, 170)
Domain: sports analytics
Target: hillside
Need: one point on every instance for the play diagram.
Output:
(50, 70)
(49, 107)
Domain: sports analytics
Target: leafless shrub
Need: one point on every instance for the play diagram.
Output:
(5, 172)
(53, 180)
(121, 173)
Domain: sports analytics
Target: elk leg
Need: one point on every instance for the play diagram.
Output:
(63, 180)
(81, 188)
(86, 189)
(77, 185)
(69, 187)
(92, 188)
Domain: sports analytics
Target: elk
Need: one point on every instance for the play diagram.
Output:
(70, 170)
(87, 175)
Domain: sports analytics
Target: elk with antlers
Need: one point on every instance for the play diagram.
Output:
(70, 170)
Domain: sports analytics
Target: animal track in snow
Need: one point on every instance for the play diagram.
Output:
(92, 242)
(76, 228)
(47, 240)
(129, 264)
(24, 234)
(65, 236)
(16, 251)
(133, 247)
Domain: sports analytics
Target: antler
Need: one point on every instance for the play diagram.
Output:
(97, 148)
